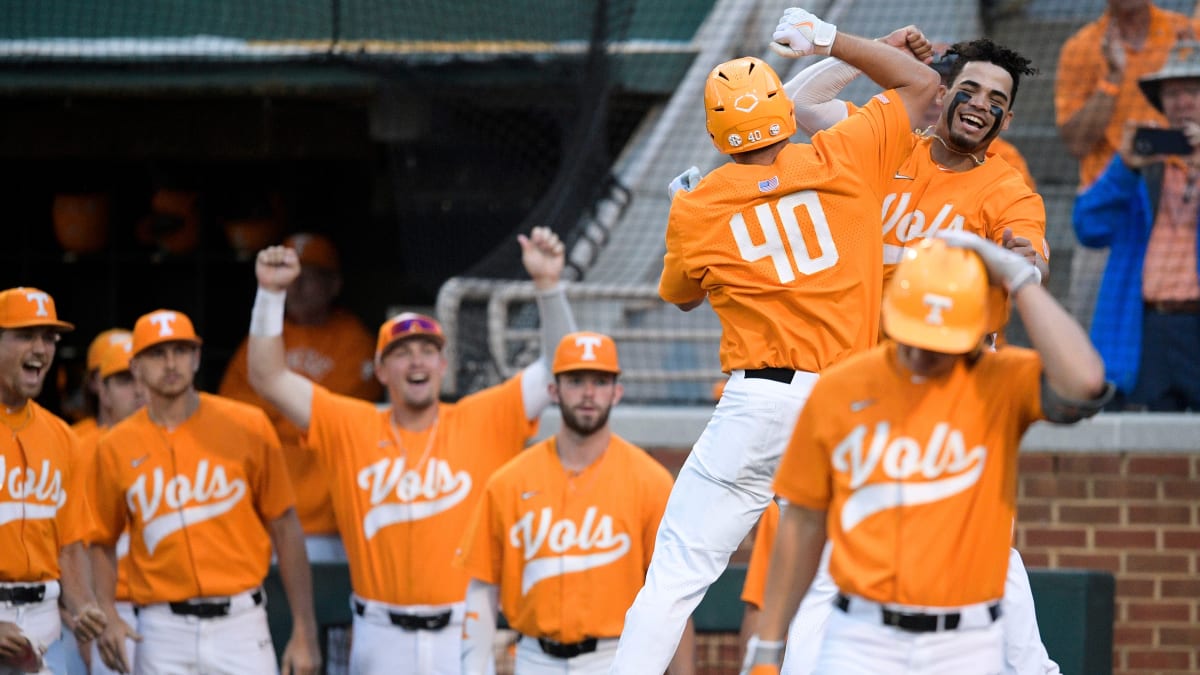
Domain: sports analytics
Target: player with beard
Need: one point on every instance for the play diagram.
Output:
(954, 180)
(599, 497)
(200, 483)
(404, 479)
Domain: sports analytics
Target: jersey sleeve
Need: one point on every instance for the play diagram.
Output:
(498, 415)
(481, 551)
(106, 500)
(1024, 213)
(755, 586)
(871, 143)
(675, 285)
(273, 494)
(332, 415)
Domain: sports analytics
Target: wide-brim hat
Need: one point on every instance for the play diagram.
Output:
(1183, 63)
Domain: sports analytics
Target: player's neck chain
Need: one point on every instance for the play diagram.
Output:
(979, 160)
(428, 442)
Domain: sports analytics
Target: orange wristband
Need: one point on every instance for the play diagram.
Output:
(1106, 87)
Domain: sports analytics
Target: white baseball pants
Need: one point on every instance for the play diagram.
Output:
(125, 610)
(857, 642)
(42, 624)
(379, 648)
(531, 660)
(721, 490)
(237, 644)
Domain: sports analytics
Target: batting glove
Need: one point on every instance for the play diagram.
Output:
(1003, 265)
(762, 657)
(800, 33)
(686, 181)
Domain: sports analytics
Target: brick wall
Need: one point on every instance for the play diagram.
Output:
(1135, 515)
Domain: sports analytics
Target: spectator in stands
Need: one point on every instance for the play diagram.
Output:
(333, 348)
(1144, 207)
(1096, 92)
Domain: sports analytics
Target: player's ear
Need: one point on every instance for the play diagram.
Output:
(552, 389)
(380, 373)
(618, 392)
(1007, 120)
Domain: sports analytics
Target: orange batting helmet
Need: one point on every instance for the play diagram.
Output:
(746, 107)
(937, 299)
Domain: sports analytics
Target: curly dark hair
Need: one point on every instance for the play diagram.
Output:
(983, 49)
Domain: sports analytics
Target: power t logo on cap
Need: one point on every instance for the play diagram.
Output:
(586, 351)
(162, 325)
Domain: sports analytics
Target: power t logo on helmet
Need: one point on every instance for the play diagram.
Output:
(937, 299)
(746, 107)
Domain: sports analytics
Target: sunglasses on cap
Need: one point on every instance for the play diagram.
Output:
(417, 324)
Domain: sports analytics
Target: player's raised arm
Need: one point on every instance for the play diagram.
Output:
(543, 255)
(276, 267)
(801, 33)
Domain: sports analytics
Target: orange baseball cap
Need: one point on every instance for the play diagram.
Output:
(116, 357)
(28, 308)
(103, 343)
(314, 250)
(586, 351)
(406, 325)
(162, 325)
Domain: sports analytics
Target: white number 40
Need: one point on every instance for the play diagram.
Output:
(773, 246)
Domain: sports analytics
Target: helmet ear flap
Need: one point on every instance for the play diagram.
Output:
(937, 299)
(746, 107)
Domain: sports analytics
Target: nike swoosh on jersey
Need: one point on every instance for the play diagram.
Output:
(135, 463)
(858, 406)
(540, 569)
(14, 511)
(527, 495)
(172, 521)
(903, 177)
(390, 514)
(869, 500)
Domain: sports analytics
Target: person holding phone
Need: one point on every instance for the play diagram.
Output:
(1145, 207)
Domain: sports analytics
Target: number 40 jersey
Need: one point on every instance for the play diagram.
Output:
(790, 254)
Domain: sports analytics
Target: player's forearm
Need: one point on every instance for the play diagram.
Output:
(814, 92)
(794, 560)
(295, 572)
(479, 626)
(890, 68)
(266, 361)
(557, 320)
(103, 564)
(75, 577)
(1072, 367)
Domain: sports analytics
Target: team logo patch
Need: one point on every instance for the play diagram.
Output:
(745, 103)
(774, 130)
(735, 140)
(768, 184)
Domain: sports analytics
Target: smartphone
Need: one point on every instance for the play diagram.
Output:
(1155, 141)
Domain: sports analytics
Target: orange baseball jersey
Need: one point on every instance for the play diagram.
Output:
(42, 497)
(88, 442)
(1009, 153)
(755, 585)
(568, 550)
(788, 254)
(403, 499)
(1081, 66)
(918, 477)
(196, 500)
(84, 426)
(924, 198)
(339, 356)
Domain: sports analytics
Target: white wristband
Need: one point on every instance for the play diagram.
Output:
(266, 318)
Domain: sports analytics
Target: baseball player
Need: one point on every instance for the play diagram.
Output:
(43, 510)
(406, 478)
(331, 347)
(118, 397)
(905, 457)
(953, 180)
(96, 350)
(563, 533)
(199, 482)
(784, 243)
